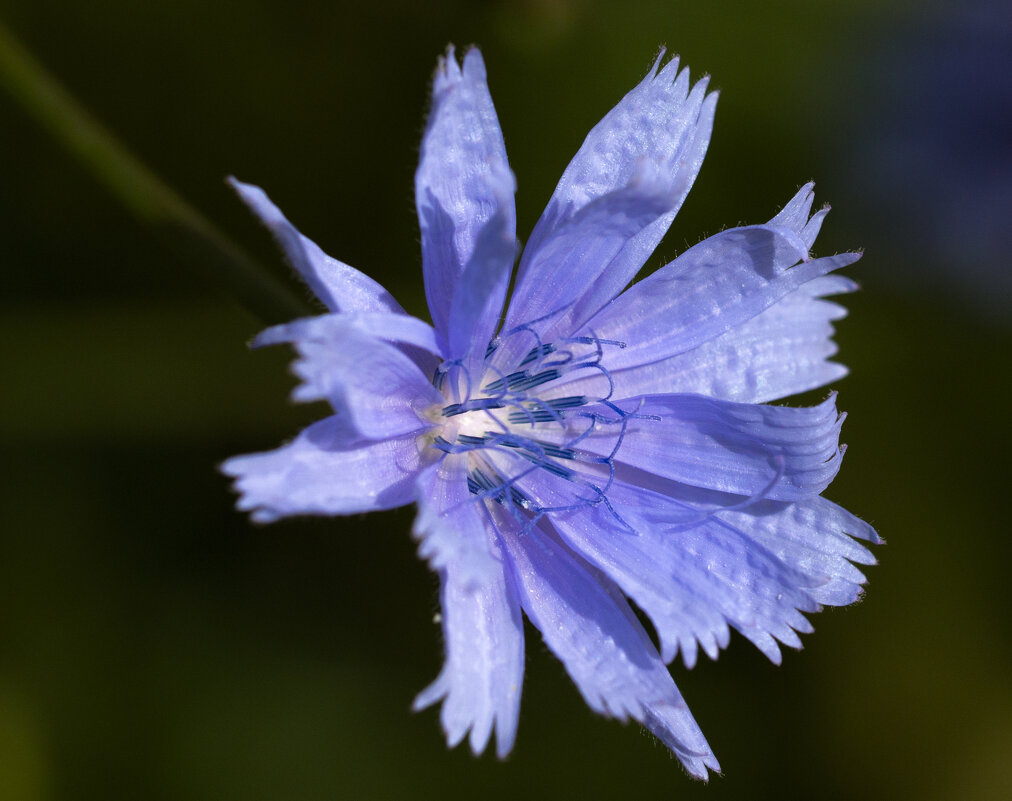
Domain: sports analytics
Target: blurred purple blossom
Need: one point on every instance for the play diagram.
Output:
(934, 163)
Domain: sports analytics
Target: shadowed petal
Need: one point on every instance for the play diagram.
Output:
(560, 271)
(385, 326)
(693, 572)
(463, 181)
(339, 287)
(779, 352)
(590, 628)
(660, 122)
(327, 470)
(478, 298)
(736, 316)
(452, 525)
(481, 679)
(378, 387)
(645, 152)
(624, 267)
(815, 538)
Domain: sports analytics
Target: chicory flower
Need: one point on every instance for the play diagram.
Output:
(580, 445)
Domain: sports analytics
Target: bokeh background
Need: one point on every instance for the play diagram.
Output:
(155, 645)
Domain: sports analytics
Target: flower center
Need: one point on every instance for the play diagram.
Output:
(526, 441)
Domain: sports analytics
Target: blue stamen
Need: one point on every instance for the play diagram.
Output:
(589, 475)
(557, 452)
(592, 340)
(521, 381)
(535, 380)
(549, 466)
(471, 406)
(501, 384)
(481, 484)
(568, 402)
(537, 353)
(533, 446)
(441, 444)
(458, 447)
(534, 416)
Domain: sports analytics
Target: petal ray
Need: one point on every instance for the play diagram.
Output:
(302, 477)
(779, 452)
(692, 572)
(463, 181)
(384, 326)
(714, 286)
(379, 388)
(451, 526)
(781, 351)
(647, 149)
(339, 287)
(478, 297)
(481, 679)
(590, 628)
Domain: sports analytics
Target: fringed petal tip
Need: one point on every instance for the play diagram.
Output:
(797, 216)
(447, 70)
(658, 60)
(238, 186)
(297, 478)
(437, 548)
(835, 593)
(672, 75)
(450, 71)
(254, 485)
(248, 501)
(480, 682)
(432, 694)
(478, 733)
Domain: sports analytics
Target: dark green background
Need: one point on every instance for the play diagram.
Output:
(154, 645)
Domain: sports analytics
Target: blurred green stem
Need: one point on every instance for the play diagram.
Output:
(224, 264)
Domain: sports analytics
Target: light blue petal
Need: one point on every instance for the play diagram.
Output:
(380, 389)
(736, 317)
(624, 267)
(563, 267)
(385, 326)
(614, 204)
(481, 679)
(590, 628)
(813, 537)
(339, 287)
(713, 287)
(452, 524)
(463, 181)
(660, 123)
(779, 352)
(795, 215)
(327, 470)
(478, 297)
(693, 572)
(774, 452)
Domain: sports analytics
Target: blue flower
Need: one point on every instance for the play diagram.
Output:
(587, 445)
